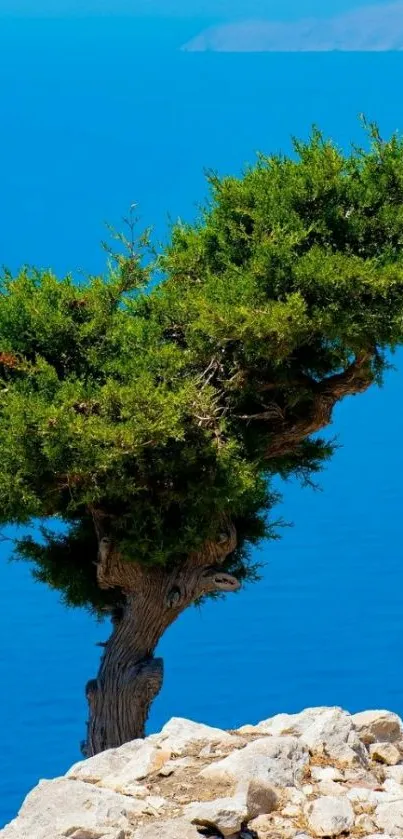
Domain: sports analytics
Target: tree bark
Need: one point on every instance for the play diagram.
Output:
(286, 434)
(130, 677)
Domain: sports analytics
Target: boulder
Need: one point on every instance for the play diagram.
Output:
(280, 761)
(325, 731)
(389, 817)
(179, 735)
(331, 734)
(121, 769)
(261, 798)
(285, 724)
(329, 816)
(226, 815)
(387, 753)
(65, 806)
(378, 727)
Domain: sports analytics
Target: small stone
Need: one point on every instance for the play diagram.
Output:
(227, 815)
(385, 753)
(378, 727)
(365, 823)
(291, 811)
(330, 788)
(173, 766)
(206, 751)
(267, 827)
(294, 797)
(329, 816)
(363, 797)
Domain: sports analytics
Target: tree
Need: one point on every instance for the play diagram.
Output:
(149, 418)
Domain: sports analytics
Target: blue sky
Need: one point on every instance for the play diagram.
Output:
(209, 9)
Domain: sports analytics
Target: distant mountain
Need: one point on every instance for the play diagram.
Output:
(371, 28)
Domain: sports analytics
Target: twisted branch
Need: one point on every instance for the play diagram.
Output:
(286, 435)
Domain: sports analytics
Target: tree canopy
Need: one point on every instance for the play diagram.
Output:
(164, 397)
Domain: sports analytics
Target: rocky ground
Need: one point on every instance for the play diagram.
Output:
(320, 773)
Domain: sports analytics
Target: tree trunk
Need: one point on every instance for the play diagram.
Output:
(130, 677)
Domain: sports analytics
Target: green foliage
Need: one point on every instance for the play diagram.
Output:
(154, 403)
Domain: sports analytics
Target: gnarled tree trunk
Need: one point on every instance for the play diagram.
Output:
(130, 677)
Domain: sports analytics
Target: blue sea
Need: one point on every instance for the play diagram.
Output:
(97, 114)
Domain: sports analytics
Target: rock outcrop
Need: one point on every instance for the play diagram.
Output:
(320, 773)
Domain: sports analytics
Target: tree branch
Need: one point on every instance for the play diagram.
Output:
(287, 435)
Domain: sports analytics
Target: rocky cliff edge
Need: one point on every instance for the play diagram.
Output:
(320, 773)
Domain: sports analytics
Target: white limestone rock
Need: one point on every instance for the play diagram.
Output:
(329, 816)
(279, 761)
(331, 734)
(365, 824)
(325, 788)
(393, 788)
(227, 815)
(325, 731)
(180, 828)
(64, 806)
(173, 766)
(394, 773)
(285, 724)
(364, 795)
(389, 817)
(143, 791)
(179, 735)
(121, 769)
(273, 827)
(378, 727)
(387, 753)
